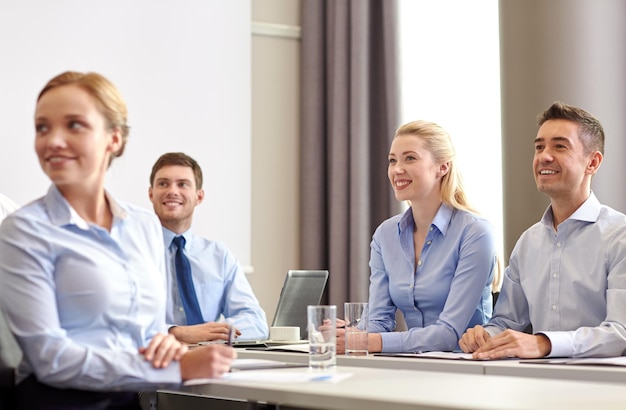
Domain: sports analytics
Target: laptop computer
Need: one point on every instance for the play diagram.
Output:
(300, 289)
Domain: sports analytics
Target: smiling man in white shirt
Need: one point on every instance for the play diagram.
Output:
(567, 273)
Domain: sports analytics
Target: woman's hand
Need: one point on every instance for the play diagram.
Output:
(163, 349)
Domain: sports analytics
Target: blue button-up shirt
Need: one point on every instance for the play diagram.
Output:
(449, 290)
(81, 300)
(221, 287)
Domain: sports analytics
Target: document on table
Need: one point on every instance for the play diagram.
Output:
(287, 377)
(276, 377)
(597, 361)
(432, 355)
(255, 364)
(302, 348)
(296, 347)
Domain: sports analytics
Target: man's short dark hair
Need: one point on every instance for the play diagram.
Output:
(177, 158)
(591, 132)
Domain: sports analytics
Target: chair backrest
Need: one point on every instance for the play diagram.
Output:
(7, 388)
(10, 356)
(10, 352)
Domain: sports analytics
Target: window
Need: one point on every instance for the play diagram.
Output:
(450, 74)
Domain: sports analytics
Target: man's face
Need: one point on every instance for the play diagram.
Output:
(174, 196)
(561, 167)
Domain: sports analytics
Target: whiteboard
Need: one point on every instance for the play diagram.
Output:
(183, 67)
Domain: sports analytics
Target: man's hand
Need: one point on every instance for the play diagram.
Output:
(210, 361)
(511, 343)
(162, 349)
(203, 332)
(473, 339)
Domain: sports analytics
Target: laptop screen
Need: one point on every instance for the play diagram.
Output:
(301, 288)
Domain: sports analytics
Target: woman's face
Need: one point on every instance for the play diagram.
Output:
(72, 140)
(412, 172)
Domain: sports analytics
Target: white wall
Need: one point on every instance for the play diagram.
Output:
(275, 147)
(183, 67)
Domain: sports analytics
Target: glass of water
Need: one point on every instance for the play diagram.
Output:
(356, 328)
(321, 322)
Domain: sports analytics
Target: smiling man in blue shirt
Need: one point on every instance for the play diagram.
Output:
(221, 288)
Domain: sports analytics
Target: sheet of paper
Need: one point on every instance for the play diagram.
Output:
(251, 364)
(302, 347)
(446, 355)
(602, 361)
(287, 377)
(276, 377)
(432, 355)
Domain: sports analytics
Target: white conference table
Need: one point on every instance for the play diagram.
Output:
(581, 372)
(380, 362)
(371, 388)
(517, 368)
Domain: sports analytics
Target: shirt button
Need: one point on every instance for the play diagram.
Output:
(181, 309)
(558, 244)
(428, 243)
(430, 229)
(553, 307)
(419, 263)
(410, 286)
(555, 275)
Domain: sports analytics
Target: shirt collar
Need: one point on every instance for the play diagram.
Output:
(168, 236)
(61, 212)
(441, 220)
(589, 211)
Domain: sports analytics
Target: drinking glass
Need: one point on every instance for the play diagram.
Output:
(321, 322)
(356, 315)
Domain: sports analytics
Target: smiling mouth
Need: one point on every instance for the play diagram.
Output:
(547, 172)
(57, 159)
(401, 184)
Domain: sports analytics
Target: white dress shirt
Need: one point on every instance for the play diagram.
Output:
(569, 284)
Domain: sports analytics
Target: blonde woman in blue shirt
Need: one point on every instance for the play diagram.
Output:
(83, 281)
(436, 261)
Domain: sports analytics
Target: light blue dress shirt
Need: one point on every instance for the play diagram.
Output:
(570, 284)
(449, 290)
(81, 300)
(221, 287)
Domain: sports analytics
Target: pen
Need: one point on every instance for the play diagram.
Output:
(231, 335)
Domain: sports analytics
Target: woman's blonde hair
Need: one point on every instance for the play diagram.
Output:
(108, 100)
(437, 141)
